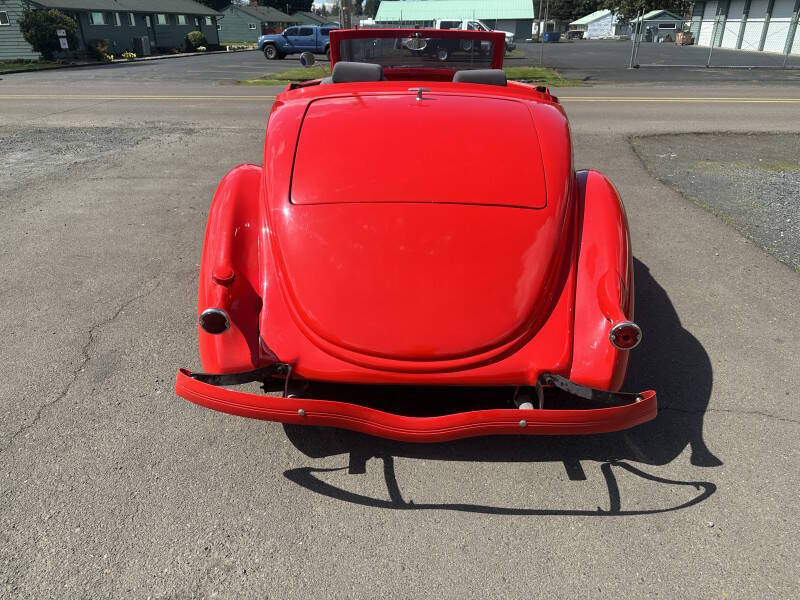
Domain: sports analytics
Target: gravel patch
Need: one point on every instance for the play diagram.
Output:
(28, 154)
(752, 181)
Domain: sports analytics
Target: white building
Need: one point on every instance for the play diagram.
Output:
(755, 25)
(600, 25)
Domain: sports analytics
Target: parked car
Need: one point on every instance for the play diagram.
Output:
(295, 40)
(474, 25)
(369, 281)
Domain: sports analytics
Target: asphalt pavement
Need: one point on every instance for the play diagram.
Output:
(112, 486)
(608, 61)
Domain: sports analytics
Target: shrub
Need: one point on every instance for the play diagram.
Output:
(98, 49)
(108, 57)
(127, 55)
(195, 39)
(39, 30)
(201, 48)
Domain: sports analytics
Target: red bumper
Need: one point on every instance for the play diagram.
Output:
(304, 411)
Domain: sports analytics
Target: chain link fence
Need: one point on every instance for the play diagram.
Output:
(718, 41)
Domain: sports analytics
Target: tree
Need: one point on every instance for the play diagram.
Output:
(39, 30)
(357, 7)
(215, 4)
(628, 9)
(371, 8)
(569, 10)
(293, 5)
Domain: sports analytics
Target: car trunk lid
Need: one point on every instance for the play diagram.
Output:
(418, 147)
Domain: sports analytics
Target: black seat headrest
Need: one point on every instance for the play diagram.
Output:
(484, 76)
(348, 72)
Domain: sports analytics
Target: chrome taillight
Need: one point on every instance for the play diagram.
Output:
(625, 335)
(214, 321)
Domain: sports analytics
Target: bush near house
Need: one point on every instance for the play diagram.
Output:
(98, 49)
(194, 39)
(39, 30)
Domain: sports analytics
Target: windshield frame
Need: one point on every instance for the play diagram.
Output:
(497, 38)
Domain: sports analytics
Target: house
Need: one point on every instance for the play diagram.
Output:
(310, 18)
(245, 23)
(515, 16)
(755, 25)
(600, 25)
(12, 42)
(657, 25)
(164, 23)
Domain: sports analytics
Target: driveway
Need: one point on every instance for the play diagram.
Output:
(112, 486)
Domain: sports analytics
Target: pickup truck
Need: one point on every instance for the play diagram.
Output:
(295, 40)
(473, 25)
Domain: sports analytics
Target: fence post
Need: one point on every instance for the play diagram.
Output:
(640, 34)
(633, 41)
(713, 37)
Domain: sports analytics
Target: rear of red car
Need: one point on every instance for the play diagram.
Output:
(418, 260)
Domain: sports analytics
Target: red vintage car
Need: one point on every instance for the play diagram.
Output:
(417, 259)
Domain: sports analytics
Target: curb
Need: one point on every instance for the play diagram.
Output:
(122, 60)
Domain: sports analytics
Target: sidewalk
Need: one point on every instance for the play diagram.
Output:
(94, 63)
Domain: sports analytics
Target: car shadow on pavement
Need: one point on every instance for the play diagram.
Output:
(670, 360)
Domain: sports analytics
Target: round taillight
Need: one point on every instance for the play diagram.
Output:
(214, 321)
(625, 335)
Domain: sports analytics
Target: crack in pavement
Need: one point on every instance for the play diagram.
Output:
(729, 410)
(79, 369)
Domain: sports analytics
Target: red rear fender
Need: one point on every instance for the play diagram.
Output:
(604, 287)
(229, 274)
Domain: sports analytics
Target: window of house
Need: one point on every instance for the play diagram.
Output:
(208, 21)
(97, 18)
(161, 19)
(251, 25)
(117, 20)
(147, 20)
(197, 21)
(4, 18)
(131, 20)
(181, 19)
(666, 25)
(219, 27)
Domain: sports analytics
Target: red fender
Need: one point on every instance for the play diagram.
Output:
(229, 273)
(604, 286)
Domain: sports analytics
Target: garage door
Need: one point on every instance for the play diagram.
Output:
(776, 35)
(707, 25)
(731, 33)
(733, 24)
(752, 34)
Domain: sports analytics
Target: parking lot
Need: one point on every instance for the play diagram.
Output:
(113, 486)
(605, 61)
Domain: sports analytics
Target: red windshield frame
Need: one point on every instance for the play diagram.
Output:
(498, 39)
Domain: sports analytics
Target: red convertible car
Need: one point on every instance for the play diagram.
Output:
(417, 258)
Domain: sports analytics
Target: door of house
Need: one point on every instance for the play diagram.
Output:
(151, 32)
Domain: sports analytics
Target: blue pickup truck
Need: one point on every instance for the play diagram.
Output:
(294, 40)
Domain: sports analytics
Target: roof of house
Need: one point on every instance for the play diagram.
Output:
(310, 18)
(427, 10)
(153, 6)
(658, 15)
(592, 17)
(266, 14)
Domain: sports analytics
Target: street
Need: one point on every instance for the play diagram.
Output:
(112, 486)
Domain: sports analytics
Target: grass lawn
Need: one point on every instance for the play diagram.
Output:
(540, 75)
(527, 74)
(292, 75)
(17, 67)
